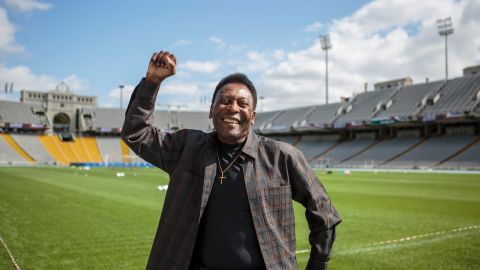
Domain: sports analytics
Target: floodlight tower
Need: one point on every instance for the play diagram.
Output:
(261, 103)
(445, 28)
(121, 94)
(326, 45)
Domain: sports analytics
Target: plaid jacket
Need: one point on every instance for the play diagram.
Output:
(275, 173)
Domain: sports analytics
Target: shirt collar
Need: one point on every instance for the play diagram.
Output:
(250, 148)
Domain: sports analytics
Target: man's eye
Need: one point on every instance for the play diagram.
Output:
(225, 101)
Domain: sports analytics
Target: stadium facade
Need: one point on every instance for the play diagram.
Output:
(398, 124)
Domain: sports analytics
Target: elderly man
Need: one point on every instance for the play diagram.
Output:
(229, 201)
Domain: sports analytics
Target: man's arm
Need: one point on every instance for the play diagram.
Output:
(138, 131)
(322, 217)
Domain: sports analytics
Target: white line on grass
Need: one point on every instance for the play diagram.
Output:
(10, 254)
(408, 238)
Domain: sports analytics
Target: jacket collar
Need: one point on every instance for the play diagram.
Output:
(251, 145)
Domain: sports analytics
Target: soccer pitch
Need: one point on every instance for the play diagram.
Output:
(67, 218)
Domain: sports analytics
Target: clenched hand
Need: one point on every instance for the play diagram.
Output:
(161, 66)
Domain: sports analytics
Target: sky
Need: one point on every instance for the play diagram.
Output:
(95, 46)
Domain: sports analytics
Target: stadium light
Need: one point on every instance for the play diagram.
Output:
(121, 95)
(326, 45)
(445, 28)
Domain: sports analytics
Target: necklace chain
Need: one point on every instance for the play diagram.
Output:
(226, 169)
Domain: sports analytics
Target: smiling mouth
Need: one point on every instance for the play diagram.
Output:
(231, 121)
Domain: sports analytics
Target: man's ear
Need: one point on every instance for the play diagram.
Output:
(253, 117)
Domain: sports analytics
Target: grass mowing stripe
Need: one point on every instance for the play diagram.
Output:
(10, 254)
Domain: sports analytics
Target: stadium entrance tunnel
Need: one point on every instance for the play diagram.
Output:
(66, 137)
(61, 123)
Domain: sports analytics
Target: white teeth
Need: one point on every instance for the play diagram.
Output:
(231, 121)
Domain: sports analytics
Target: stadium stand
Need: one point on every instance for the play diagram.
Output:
(346, 150)
(466, 159)
(287, 120)
(315, 145)
(398, 125)
(31, 144)
(8, 153)
(126, 155)
(382, 152)
(293, 140)
(88, 148)
(81, 149)
(15, 146)
(16, 115)
(321, 117)
(104, 119)
(193, 120)
(53, 149)
(110, 148)
(407, 102)
(364, 106)
(162, 119)
(264, 120)
(457, 98)
(432, 151)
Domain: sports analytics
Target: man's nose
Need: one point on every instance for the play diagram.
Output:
(234, 107)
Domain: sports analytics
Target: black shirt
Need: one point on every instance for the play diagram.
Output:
(226, 237)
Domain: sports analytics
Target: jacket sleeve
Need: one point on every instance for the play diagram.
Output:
(321, 215)
(149, 142)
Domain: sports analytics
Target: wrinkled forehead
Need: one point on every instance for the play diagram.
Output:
(235, 91)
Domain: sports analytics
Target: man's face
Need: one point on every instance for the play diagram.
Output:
(232, 113)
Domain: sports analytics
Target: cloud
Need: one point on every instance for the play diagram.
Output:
(314, 27)
(8, 44)
(180, 89)
(185, 90)
(185, 95)
(256, 61)
(23, 78)
(376, 43)
(114, 96)
(201, 67)
(175, 95)
(27, 5)
(76, 84)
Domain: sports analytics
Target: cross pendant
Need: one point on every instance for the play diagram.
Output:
(221, 178)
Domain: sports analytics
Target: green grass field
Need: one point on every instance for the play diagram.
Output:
(66, 218)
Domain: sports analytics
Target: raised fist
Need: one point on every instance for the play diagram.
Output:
(161, 66)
